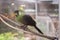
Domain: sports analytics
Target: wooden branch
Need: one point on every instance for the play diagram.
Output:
(28, 31)
(9, 20)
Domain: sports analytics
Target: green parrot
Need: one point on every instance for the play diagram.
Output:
(20, 14)
(26, 20)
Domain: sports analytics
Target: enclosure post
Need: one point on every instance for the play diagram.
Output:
(36, 11)
(58, 30)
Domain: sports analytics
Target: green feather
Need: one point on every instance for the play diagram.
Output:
(19, 18)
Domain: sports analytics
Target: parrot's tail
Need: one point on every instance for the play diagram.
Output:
(38, 30)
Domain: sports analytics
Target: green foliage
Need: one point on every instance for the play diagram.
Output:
(22, 38)
(10, 36)
(6, 10)
(6, 36)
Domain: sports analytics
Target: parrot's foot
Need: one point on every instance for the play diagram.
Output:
(24, 27)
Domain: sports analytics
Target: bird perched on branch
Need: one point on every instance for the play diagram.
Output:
(26, 20)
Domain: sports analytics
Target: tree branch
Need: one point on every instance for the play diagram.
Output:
(27, 30)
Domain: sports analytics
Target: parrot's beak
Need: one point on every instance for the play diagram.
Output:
(15, 14)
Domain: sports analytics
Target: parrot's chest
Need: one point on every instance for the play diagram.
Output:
(19, 18)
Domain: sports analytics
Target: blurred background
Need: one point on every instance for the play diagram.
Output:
(44, 12)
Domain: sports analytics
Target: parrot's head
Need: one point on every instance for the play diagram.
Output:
(16, 12)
